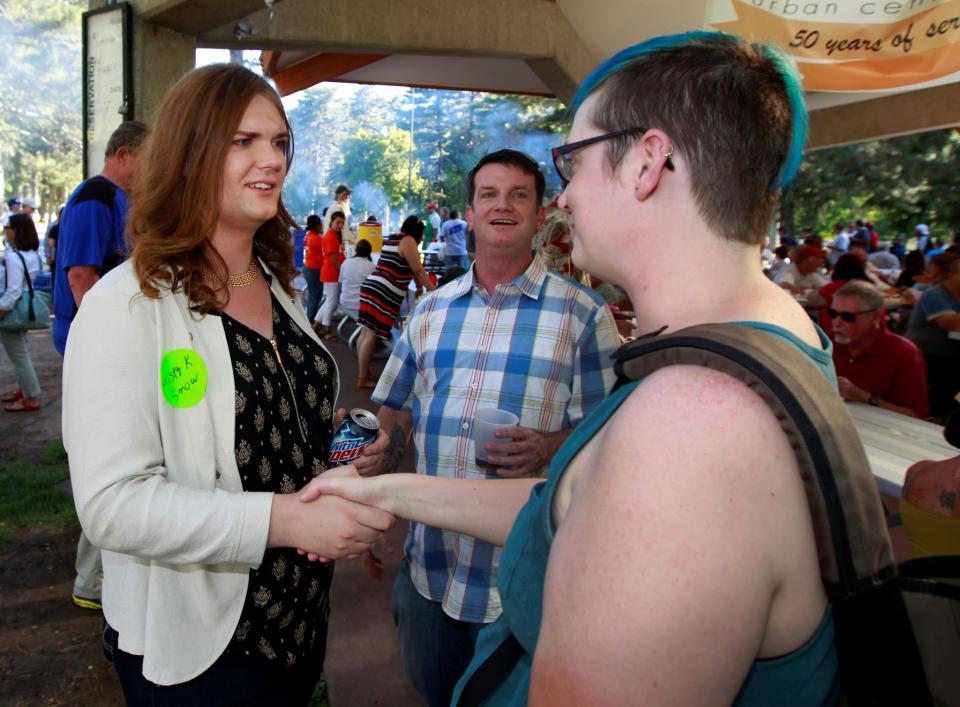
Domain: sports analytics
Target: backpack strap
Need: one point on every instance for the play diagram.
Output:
(848, 519)
(491, 673)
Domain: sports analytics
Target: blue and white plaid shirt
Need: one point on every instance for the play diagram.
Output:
(538, 346)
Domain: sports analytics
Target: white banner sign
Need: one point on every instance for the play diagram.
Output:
(853, 45)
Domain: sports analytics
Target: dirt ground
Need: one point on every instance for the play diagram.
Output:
(50, 649)
(26, 434)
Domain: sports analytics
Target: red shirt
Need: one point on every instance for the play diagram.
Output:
(312, 250)
(330, 272)
(893, 369)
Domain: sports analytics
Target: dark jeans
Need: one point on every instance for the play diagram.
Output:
(435, 649)
(231, 680)
(314, 291)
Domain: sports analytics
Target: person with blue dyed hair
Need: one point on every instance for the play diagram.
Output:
(670, 556)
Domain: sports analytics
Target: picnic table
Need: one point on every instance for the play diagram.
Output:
(894, 442)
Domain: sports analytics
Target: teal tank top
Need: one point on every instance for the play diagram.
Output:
(806, 677)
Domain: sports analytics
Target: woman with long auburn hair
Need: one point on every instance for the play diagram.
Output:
(217, 400)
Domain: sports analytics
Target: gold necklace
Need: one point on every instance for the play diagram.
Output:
(242, 280)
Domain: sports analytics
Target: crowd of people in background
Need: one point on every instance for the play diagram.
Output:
(901, 356)
(893, 315)
(507, 321)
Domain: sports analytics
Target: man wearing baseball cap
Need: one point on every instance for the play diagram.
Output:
(804, 272)
(13, 207)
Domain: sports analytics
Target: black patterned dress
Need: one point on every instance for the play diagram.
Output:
(284, 417)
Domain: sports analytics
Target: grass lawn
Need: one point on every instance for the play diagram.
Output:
(28, 496)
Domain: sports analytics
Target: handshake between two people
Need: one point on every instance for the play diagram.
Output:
(332, 526)
(341, 514)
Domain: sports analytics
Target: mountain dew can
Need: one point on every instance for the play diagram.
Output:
(357, 431)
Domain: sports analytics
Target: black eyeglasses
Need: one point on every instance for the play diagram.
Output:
(848, 317)
(563, 163)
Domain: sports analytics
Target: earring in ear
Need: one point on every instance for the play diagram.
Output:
(669, 153)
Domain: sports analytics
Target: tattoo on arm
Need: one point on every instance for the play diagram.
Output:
(395, 449)
(948, 500)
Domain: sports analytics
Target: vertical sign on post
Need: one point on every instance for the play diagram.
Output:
(107, 79)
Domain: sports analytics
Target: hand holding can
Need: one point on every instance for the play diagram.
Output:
(357, 431)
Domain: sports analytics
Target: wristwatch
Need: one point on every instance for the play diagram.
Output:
(874, 400)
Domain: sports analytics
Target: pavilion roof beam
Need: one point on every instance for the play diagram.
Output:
(192, 17)
(494, 28)
(879, 118)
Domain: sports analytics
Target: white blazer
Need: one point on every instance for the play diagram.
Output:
(156, 486)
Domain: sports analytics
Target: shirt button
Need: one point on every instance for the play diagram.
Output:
(466, 425)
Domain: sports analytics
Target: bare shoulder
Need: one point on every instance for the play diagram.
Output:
(407, 244)
(690, 501)
(697, 407)
(690, 444)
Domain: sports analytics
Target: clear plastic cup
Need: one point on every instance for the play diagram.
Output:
(486, 422)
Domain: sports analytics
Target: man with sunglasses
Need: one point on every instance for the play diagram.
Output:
(874, 365)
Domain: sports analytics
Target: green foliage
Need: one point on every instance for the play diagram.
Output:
(40, 114)
(388, 161)
(318, 129)
(895, 183)
(546, 114)
(403, 153)
(28, 495)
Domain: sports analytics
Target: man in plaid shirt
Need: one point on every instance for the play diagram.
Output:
(511, 335)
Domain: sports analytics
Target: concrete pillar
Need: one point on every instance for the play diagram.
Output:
(160, 57)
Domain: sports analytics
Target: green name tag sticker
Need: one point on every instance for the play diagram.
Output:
(183, 377)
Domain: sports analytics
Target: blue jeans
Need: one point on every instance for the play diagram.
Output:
(435, 649)
(456, 260)
(231, 680)
(314, 291)
(15, 344)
